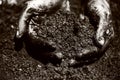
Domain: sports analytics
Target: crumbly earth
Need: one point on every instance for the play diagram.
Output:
(71, 36)
(65, 31)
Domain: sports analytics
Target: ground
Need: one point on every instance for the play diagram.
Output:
(22, 66)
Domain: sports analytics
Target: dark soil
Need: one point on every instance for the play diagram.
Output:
(71, 35)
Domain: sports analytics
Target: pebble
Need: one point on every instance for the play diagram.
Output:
(72, 61)
(39, 66)
(59, 55)
(12, 27)
(20, 69)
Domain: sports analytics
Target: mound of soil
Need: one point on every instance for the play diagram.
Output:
(65, 32)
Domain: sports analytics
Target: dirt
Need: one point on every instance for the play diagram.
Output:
(22, 66)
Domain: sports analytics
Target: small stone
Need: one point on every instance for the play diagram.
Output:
(39, 66)
(82, 16)
(108, 31)
(12, 26)
(20, 69)
(72, 61)
(85, 51)
(59, 55)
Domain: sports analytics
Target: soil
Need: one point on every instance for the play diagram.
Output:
(71, 35)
